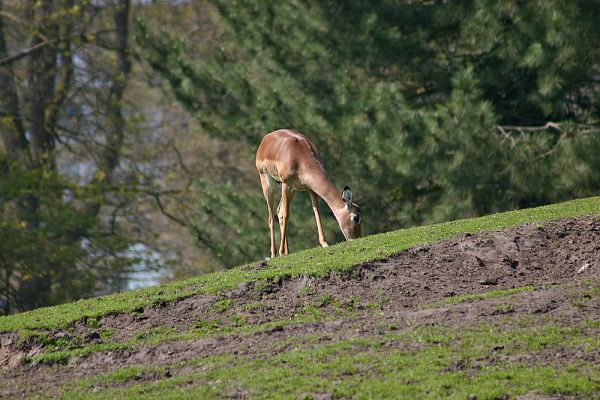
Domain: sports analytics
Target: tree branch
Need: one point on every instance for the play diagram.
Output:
(521, 129)
(582, 128)
(25, 53)
(163, 211)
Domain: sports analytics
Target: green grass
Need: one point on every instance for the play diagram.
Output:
(427, 362)
(313, 262)
(59, 352)
(405, 380)
(488, 295)
(62, 356)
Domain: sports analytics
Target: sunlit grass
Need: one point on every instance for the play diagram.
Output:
(312, 262)
(426, 362)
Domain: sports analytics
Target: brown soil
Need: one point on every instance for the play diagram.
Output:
(560, 259)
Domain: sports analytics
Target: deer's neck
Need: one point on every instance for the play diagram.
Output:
(322, 186)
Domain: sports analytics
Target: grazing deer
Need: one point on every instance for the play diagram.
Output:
(289, 158)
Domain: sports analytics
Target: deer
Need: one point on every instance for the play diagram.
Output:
(288, 158)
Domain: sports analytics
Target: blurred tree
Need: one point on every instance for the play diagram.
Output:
(60, 240)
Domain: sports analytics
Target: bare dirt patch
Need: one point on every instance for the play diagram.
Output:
(558, 262)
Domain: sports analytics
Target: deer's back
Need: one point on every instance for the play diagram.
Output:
(285, 155)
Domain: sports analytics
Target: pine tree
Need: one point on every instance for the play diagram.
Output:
(430, 111)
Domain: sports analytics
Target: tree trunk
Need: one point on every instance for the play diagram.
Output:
(12, 132)
(41, 77)
(114, 112)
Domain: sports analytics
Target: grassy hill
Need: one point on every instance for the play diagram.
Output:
(490, 307)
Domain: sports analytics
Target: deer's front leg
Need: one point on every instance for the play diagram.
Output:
(315, 206)
(287, 194)
(268, 187)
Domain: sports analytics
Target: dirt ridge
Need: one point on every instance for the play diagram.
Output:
(554, 261)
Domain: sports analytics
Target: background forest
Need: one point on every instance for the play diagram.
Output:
(128, 128)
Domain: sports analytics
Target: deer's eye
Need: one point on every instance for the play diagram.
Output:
(356, 218)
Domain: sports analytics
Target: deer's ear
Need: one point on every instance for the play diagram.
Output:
(347, 196)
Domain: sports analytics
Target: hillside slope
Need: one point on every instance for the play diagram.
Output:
(493, 314)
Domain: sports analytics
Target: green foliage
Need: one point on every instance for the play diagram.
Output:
(52, 251)
(404, 102)
(536, 58)
(225, 212)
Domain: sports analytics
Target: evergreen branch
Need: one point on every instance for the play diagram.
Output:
(584, 128)
(521, 129)
(506, 129)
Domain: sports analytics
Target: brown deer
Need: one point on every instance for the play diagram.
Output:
(290, 158)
